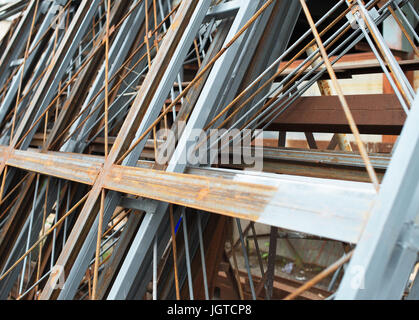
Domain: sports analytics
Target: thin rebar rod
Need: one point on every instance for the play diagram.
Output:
(53, 23)
(252, 226)
(308, 74)
(196, 79)
(246, 259)
(51, 230)
(402, 81)
(66, 85)
(279, 90)
(187, 254)
(99, 238)
(155, 279)
(403, 29)
(44, 219)
(115, 224)
(172, 228)
(66, 209)
(270, 273)
(104, 243)
(236, 266)
(201, 249)
(28, 43)
(123, 110)
(413, 10)
(318, 76)
(407, 22)
(28, 238)
(8, 208)
(101, 90)
(275, 113)
(322, 275)
(34, 285)
(311, 58)
(108, 17)
(87, 108)
(172, 90)
(344, 103)
(385, 70)
(54, 237)
(274, 64)
(14, 189)
(3, 184)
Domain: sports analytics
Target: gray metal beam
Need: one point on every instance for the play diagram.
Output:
(50, 82)
(396, 206)
(18, 41)
(173, 68)
(29, 64)
(150, 224)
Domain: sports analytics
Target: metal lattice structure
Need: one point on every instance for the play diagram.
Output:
(97, 203)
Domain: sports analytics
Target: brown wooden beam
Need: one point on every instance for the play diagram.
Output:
(373, 113)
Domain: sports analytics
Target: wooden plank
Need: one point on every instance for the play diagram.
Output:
(373, 113)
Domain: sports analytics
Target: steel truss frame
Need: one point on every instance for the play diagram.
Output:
(76, 73)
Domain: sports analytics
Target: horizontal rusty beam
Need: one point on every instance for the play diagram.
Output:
(373, 113)
(63, 167)
(310, 163)
(288, 202)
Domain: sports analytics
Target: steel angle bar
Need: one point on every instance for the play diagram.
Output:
(167, 288)
(194, 93)
(10, 9)
(54, 165)
(180, 35)
(324, 208)
(11, 93)
(49, 84)
(29, 233)
(259, 198)
(275, 111)
(395, 67)
(399, 270)
(240, 70)
(413, 10)
(406, 21)
(163, 91)
(150, 223)
(32, 86)
(138, 288)
(17, 42)
(244, 205)
(111, 269)
(9, 175)
(396, 206)
(18, 248)
(284, 18)
(274, 64)
(117, 54)
(384, 68)
(187, 254)
(210, 92)
(168, 79)
(223, 10)
(341, 158)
